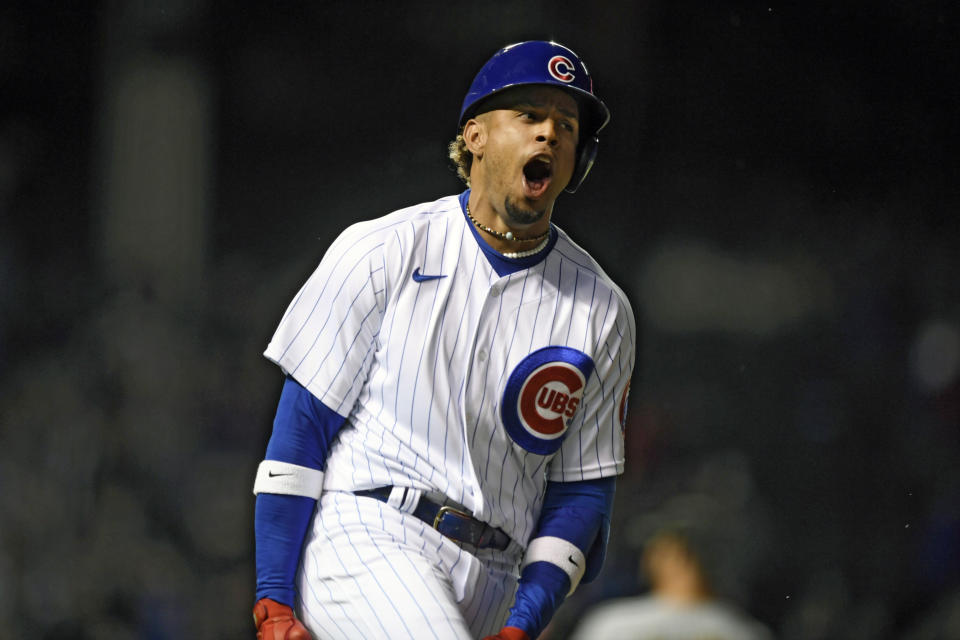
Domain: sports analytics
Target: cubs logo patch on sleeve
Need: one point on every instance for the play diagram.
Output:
(542, 395)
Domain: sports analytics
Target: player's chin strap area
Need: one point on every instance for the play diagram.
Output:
(453, 523)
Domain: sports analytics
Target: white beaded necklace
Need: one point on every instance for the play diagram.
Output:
(529, 252)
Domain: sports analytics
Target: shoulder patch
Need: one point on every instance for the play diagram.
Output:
(542, 396)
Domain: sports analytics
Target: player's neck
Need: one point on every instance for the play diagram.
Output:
(682, 589)
(501, 236)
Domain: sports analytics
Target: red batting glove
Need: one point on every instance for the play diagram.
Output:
(509, 633)
(275, 621)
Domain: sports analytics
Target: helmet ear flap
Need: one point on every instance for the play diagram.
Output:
(586, 156)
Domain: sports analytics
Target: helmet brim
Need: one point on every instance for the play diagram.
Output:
(594, 114)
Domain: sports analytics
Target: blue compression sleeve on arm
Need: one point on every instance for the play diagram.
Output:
(577, 513)
(280, 524)
(302, 433)
(581, 501)
(303, 429)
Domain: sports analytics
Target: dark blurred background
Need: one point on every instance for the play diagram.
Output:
(777, 192)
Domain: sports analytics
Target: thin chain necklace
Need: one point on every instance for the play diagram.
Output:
(508, 236)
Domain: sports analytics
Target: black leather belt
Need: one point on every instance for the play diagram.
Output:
(455, 524)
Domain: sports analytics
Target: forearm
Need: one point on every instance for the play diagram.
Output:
(568, 545)
(280, 524)
(288, 484)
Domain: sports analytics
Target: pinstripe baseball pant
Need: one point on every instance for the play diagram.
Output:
(370, 571)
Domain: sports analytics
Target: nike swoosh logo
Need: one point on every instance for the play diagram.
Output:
(274, 475)
(419, 277)
(572, 561)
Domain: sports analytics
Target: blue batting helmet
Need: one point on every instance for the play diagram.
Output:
(543, 63)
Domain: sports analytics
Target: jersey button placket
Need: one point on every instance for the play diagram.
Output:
(495, 292)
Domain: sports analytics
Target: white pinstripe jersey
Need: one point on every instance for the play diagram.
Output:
(473, 385)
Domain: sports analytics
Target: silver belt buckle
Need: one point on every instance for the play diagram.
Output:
(444, 510)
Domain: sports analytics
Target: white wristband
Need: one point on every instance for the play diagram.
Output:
(559, 552)
(274, 476)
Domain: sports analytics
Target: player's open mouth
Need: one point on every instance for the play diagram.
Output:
(536, 176)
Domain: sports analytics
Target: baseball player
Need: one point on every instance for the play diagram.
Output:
(443, 458)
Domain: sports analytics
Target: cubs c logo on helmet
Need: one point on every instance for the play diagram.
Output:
(560, 68)
(542, 396)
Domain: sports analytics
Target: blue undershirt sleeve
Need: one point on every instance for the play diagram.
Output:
(280, 523)
(303, 430)
(578, 512)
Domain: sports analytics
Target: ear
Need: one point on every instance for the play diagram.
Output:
(475, 136)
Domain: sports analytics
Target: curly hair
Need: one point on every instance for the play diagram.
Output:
(461, 157)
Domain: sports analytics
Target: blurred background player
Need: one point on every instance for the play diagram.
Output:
(681, 605)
